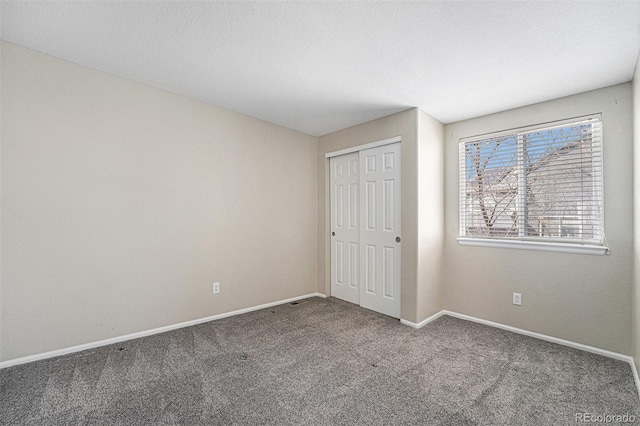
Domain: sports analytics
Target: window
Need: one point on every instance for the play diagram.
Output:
(538, 187)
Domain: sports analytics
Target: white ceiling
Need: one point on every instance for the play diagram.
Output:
(322, 66)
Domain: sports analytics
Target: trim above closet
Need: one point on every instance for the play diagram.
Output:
(363, 147)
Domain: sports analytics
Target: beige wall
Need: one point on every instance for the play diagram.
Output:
(420, 290)
(430, 216)
(1, 133)
(121, 204)
(582, 298)
(636, 214)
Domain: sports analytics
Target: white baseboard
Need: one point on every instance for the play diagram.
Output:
(118, 339)
(551, 339)
(424, 321)
(540, 336)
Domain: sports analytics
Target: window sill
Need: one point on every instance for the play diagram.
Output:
(535, 245)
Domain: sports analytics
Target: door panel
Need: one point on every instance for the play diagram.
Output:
(370, 205)
(379, 238)
(370, 269)
(345, 227)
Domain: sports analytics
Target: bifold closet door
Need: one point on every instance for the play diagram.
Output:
(380, 229)
(345, 228)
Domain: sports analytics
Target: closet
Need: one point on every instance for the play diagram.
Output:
(365, 228)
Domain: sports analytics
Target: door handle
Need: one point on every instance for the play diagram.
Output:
(333, 234)
(397, 239)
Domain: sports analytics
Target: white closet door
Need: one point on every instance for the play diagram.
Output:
(380, 229)
(345, 227)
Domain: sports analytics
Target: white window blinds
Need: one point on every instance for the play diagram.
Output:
(534, 184)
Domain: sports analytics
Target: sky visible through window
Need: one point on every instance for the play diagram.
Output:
(501, 152)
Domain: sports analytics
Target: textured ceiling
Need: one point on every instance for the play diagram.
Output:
(321, 66)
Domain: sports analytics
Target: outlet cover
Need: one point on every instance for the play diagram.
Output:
(517, 299)
(216, 288)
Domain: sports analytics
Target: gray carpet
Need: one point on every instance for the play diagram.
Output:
(316, 363)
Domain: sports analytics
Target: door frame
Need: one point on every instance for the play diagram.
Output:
(327, 230)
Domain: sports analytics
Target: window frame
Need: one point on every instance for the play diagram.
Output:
(554, 244)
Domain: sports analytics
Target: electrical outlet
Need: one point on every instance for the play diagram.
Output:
(216, 288)
(517, 299)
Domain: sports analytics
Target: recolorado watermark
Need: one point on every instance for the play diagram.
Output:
(604, 418)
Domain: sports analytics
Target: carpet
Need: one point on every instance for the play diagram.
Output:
(323, 362)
